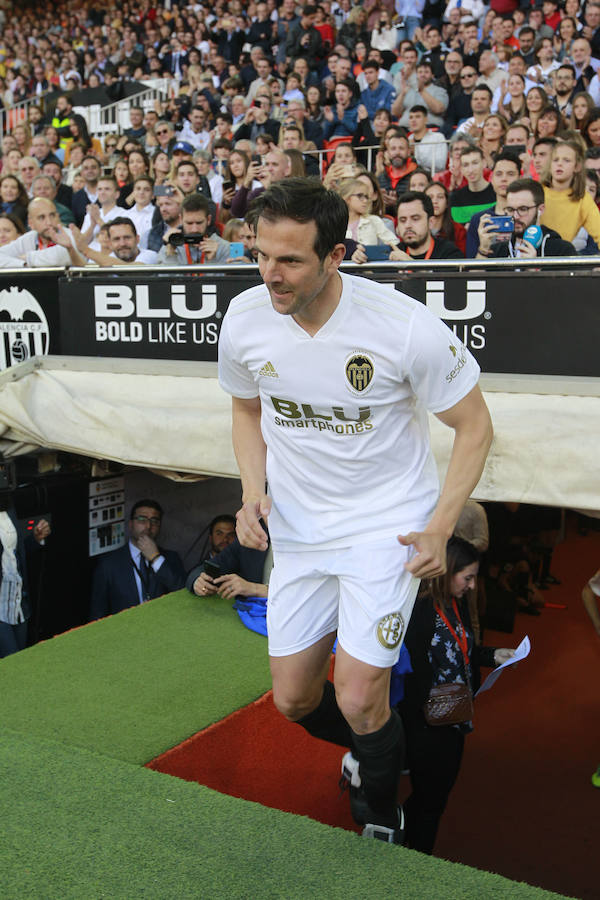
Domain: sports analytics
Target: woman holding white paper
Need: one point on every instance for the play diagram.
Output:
(444, 656)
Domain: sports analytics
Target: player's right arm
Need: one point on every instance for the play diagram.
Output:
(251, 454)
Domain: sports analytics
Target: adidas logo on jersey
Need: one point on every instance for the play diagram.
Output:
(268, 369)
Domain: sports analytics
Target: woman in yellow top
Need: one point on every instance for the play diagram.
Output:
(567, 205)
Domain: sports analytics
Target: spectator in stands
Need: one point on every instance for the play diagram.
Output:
(591, 130)
(478, 195)
(137, 129)
(525, 203)
(398, 166)
(13, 197)
(364, 227)
(47, 243)
(10, 228)
(143, 209)
(139, 571)
(564, 80)
(45, 186)
(64, 192)
(29, 167)
(506, 169)
(567, 205)
(124, 246)
(378, 94)
(341, 120)
(452, 177)
(90, 171)
(277, 165)
(481, 101)
(441, 223)
(460, 107)
(168, 200)
(429, 146)
(489, 72)
(103, 211)
(40, 149)
(200, 248)
(304, 40)
(415, 213)
(419, 180)
(426, 93)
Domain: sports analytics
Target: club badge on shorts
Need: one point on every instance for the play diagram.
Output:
(359, 372)
(390, 630)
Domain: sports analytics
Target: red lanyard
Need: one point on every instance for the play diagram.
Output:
(189, 255)
(429, 250)
(462, 640)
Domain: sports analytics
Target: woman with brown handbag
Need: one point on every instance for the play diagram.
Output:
(437, 707)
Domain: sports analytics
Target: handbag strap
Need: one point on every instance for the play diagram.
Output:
(460, 640)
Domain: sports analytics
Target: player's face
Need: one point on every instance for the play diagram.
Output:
(149, 525)
(464, 581)
(293, 273)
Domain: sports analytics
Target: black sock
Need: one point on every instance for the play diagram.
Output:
(381, 758)
(326, 721)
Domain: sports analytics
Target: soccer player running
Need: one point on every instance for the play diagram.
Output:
(331, 377)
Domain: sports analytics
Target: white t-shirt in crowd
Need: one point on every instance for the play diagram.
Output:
(344, 412)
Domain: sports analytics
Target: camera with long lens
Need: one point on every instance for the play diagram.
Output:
(178, 239)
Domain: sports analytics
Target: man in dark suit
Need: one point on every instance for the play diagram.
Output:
(139, 571)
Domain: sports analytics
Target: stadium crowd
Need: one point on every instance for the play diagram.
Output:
(481, 123)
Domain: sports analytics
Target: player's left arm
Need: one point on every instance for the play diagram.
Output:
(473, 434)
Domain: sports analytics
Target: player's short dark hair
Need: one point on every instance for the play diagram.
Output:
(424, 199)
(151, 504)
(305, 200)
(527, 184)
(418, 108)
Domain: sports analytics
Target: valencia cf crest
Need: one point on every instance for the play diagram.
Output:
(359, 372)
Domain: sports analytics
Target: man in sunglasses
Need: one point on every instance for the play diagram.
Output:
(139, 571)
(529, 240)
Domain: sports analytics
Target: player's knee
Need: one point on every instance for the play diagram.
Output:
(292, 706)
(363, 713)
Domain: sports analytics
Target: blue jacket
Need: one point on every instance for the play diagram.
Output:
(381, 98)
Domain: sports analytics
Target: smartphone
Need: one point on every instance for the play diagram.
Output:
(236, 249)
(228, 185)
(164, 190)
(377, 252)
(503, 224)
(517, 149)
(212, 569)
(257, 159)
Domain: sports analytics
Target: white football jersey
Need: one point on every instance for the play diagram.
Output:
(344, 412)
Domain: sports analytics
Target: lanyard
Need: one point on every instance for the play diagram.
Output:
(429, 249)
(462, 640)
(189, 255)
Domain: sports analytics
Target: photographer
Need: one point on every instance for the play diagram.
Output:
(191, 245)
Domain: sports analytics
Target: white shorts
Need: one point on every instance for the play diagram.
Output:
(363, 592)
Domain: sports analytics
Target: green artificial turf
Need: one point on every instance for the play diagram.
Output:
(79, 825)
(133, 685)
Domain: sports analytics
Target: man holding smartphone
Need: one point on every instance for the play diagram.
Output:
(528, 239)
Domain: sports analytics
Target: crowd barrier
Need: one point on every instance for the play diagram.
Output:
(513, 316)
